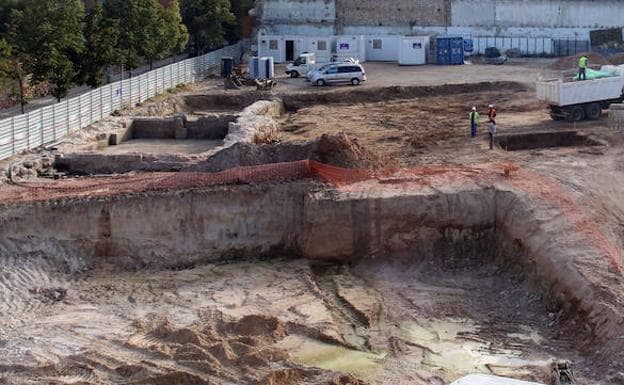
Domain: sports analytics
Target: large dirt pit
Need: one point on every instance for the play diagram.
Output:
(422, 265)
(369, 285)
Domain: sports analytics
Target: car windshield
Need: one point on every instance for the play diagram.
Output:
(323, 68)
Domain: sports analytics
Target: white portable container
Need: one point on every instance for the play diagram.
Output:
(382, 48)
(350, 47)
(321, 47)
(267, 68)
(413, 50)
(272, 45)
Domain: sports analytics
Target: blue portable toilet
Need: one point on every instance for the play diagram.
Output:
(254, 67)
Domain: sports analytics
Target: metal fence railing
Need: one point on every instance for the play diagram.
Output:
(51, 123)
(529, 46)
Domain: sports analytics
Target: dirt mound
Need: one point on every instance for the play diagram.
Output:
(345, 151)
(617, 59)
(335, 149)
(571, 62)
(258, 325)
(215, 349)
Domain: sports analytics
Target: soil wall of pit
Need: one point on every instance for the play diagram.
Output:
(473, 225)
(168, 229)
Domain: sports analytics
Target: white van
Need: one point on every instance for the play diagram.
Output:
(347, 72)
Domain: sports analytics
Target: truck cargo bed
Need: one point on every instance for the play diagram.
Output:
(559, 93)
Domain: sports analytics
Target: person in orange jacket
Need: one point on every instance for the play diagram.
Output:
(492, 124)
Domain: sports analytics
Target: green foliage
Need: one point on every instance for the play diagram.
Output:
(146, 29)
(176, 34)
(125, 14)
(152, 31)
(240, 9)
(100, 36)
(206, 21)
(6, 7)
(47, 35)
(53, 40)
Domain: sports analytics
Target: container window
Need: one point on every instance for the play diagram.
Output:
(273, 44)
(321, 45)
(377, 44)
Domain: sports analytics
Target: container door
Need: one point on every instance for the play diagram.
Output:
(290, 50)
(443, 51)
(457, 50)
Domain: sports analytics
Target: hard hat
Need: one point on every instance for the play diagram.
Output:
(491, 106)
(474, 108)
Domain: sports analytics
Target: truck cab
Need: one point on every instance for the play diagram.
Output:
(303, 64)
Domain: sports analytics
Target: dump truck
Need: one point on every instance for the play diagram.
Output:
(582, 99)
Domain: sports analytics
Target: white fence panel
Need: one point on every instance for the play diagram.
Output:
(6, 138)
(96, 105)
(147, 89)
(85, 110)
(159, 81)
(49, 124)
(20, 128)
(73, 114)
(60, 119)
(125, 92)
(34, 129)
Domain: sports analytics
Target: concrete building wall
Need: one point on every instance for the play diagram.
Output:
(297, 17)
(567, 19)
(537, 13)
(391, 12)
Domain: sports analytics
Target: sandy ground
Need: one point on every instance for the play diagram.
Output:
(163, 146)
(428, 129)
(390, 74)
(243, 322)
(289, 321)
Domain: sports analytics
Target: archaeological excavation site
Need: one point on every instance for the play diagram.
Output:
(317, 236)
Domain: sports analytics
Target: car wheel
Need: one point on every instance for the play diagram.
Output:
(294, 74)
(355, 81)
(320, 82)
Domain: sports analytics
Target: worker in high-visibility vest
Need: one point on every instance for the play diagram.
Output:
(474, 122)
(583, 63)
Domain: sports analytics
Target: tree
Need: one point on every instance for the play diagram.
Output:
(153, 30)
(141, 29)
(100, 38)
(12, 67)
(6, 7)
(240, 10)
(206, 21)
(48, 34)
(176, 34)
(10, 64)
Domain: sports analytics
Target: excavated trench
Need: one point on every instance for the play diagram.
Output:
(225, 286)
(537, 140)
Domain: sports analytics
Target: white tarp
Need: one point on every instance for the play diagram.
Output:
(486, 379)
